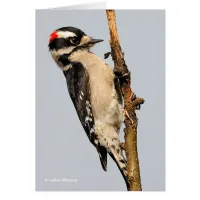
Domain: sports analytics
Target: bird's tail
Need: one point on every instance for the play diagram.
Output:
(117, 156)
(103, 156)
(110, 142)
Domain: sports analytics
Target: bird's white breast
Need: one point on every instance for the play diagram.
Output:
(105, 105)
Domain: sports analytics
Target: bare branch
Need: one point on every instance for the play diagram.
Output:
(131, 103)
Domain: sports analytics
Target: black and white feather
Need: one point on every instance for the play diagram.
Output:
(78, 87)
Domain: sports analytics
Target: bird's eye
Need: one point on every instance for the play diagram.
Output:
(74, 40)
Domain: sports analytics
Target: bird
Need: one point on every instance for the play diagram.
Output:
(94, 91)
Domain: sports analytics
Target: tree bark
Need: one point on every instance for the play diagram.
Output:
(131, 104)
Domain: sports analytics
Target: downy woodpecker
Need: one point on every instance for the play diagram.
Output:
(94, 91)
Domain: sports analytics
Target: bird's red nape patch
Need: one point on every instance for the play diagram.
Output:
(53, 36)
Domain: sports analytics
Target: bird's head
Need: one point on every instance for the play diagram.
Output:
(70, 38)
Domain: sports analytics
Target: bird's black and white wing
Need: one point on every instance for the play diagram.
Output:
(77, 82)
(78, 87)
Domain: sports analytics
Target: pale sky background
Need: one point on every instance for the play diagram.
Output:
(63, 150)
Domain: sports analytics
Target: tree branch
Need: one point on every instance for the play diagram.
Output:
(131, 103)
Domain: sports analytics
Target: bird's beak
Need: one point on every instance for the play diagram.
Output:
(94, 41)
